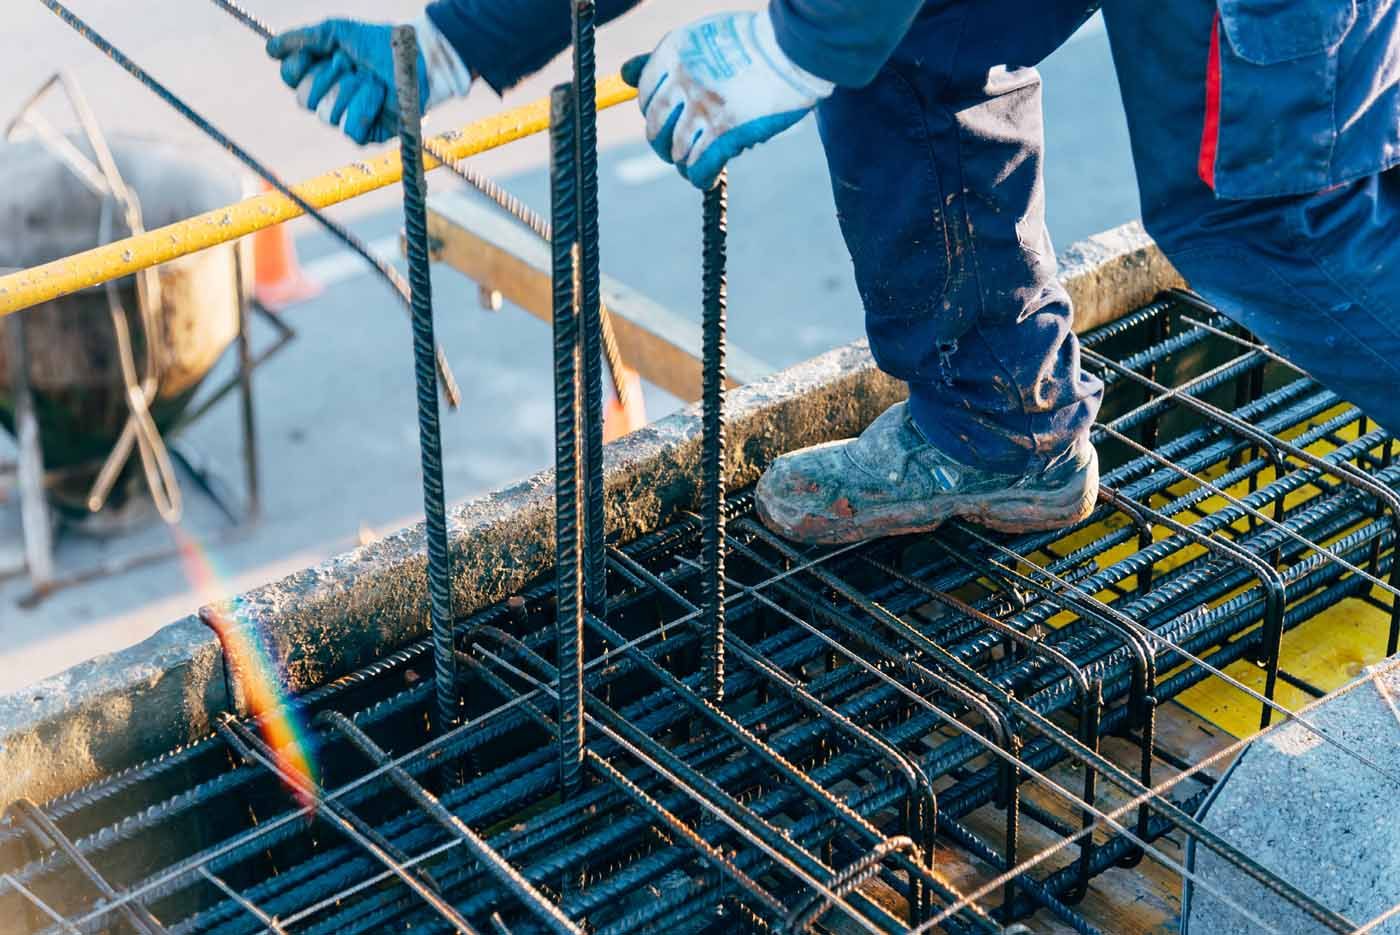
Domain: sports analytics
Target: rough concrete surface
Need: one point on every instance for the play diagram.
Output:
(87, 721)
(1313, 814)
(332, 617)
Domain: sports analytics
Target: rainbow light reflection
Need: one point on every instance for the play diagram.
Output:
(278, 721)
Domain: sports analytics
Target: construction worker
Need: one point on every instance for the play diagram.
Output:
(1264, 133)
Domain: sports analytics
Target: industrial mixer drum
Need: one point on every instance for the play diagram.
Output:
(46, 213)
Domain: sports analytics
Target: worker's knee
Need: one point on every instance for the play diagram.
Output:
(1199, 241)
(1313, 277)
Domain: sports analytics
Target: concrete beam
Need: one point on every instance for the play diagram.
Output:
(115, 711)
(110, 712)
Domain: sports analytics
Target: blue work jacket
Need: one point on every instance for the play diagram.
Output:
(1305, 94)
(1308, 94)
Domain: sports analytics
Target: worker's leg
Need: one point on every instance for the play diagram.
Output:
(937, 172)
(1317, 276)
(936, 169)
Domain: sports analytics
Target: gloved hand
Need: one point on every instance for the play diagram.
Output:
(344, 71)
(717, 87)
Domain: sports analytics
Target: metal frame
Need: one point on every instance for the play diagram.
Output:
(139, 435)
(902, 667)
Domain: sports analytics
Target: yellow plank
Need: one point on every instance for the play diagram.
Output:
(1327, 651)
(24, 288)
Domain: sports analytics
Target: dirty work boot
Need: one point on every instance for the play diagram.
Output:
(891, 481)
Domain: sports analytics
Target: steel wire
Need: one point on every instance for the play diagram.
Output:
(386, 271)
(502, 198)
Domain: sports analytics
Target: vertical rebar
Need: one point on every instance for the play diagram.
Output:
(568, 465)
(405, 46)
(586, 171)
(712, 438)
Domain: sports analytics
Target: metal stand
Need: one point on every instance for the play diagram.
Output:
(35, 521)
(139, 435)
(240, 517)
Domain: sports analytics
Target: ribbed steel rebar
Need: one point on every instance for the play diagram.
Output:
(568, 454)
(714, 262)
(827, 755)
(1236, 624)
(583, 22)
(415, 216)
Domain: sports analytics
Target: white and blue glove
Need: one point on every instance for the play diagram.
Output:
(717, 87)
(343, 70)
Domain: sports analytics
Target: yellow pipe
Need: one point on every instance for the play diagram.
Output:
(21, 289)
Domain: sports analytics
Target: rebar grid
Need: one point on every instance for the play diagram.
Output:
(878, 698)
(997, 696)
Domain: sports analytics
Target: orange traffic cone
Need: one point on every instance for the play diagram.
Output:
(278, 279)
(618, 419)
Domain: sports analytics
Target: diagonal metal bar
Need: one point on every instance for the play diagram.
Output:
(543, 909)
(269, 922)
(47, 831)
(252, 748)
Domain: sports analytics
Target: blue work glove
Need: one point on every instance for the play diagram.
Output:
(717, 87)
(343, 70)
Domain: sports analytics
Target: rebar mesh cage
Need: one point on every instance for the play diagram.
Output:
(957, 730)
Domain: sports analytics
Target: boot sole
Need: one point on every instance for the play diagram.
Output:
(1011, 511)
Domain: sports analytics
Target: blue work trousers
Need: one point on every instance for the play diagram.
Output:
(936, 168)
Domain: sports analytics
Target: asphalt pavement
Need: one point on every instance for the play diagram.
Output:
(336, 414)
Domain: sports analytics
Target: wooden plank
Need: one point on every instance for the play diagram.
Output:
(477, 240)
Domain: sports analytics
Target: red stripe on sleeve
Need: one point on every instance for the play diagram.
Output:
(1210, 134)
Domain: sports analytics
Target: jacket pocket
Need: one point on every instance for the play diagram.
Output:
(1270, 32)
(1276, 126)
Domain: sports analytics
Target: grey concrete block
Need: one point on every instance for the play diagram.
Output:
(1313, 814)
